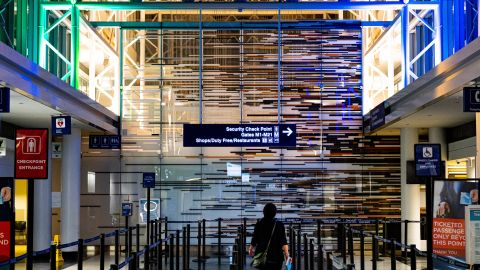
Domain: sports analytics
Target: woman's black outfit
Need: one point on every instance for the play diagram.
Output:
(261, 235)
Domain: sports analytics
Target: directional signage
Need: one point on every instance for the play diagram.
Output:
(56, 150)
(31, 154)
(143, 208)
(61, 125)
(3, 147)
(427, 160)
(4, 100)
(471, 99)
(377, 117)
(221, 135)
(104, 142)
(148, 180)
(127, 209)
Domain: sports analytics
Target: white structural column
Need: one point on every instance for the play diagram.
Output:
(42, 231)
(410, 202)
(70, 212)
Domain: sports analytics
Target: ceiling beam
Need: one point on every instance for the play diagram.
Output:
(340, 5)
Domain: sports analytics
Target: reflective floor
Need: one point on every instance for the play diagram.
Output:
(211, 264)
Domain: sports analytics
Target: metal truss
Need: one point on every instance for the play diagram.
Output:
(413, 43)
(91, 64)
(6, 14)
(410, 31)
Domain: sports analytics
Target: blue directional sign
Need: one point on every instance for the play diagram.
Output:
(428, 160)
(127, 209)
(471, 99)
(104, 142)
(222, 135)
(377, 117)
(61, 125)
(4, 100)
(148, 180)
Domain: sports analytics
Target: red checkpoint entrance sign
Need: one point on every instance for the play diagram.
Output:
(31, 154)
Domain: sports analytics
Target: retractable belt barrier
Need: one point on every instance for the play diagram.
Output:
(307, 243)
(59, 247)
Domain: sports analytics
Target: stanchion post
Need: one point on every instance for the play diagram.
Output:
(133, 263)
(130, 239)
(339, 237)
(159, 256)
(374, 252)
(244, 247)
(413, 257)
(305, 251)
(319, 244)
(172, 262)
(102, 251)
(146, 265)
(362, 250)
(199, 242)
(113, 267)
(127, 228)
(320, 257)
(177, 250)
(188, 246)
(393, 259)
(312, 256)
(240, 246)
(350, 245)
(184, 248)
(290, 239)
(344, 245)
(167, 250)
(299, 249)
(405, 239)
(294, 249)
(137, 240)
(204, 236)
(80, 255)
(384, 233)
(117, 247)
(53, 257)
(219, 240)
(237, 257)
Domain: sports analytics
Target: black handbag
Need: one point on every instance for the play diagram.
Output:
(260, 259)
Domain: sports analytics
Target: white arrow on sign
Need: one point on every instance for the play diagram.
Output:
(288, 131)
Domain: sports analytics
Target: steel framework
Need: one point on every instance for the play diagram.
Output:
(426, 31)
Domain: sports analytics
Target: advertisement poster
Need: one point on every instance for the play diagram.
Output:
(31, 154)
(448, 233)
(6, 217)
(154, 210)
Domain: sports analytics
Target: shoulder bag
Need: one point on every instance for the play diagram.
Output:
(260, 259)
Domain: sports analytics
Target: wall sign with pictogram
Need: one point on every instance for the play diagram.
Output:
(31, 154)
(61, 125)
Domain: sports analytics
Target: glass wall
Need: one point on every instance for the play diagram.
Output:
(308, 75)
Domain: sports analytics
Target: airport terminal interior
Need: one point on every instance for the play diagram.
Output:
(142, 134)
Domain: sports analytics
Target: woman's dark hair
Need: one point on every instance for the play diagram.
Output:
(269, 211)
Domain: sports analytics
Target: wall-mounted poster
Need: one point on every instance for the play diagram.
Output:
(449, 200)
(154, 210)
(6, 218)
